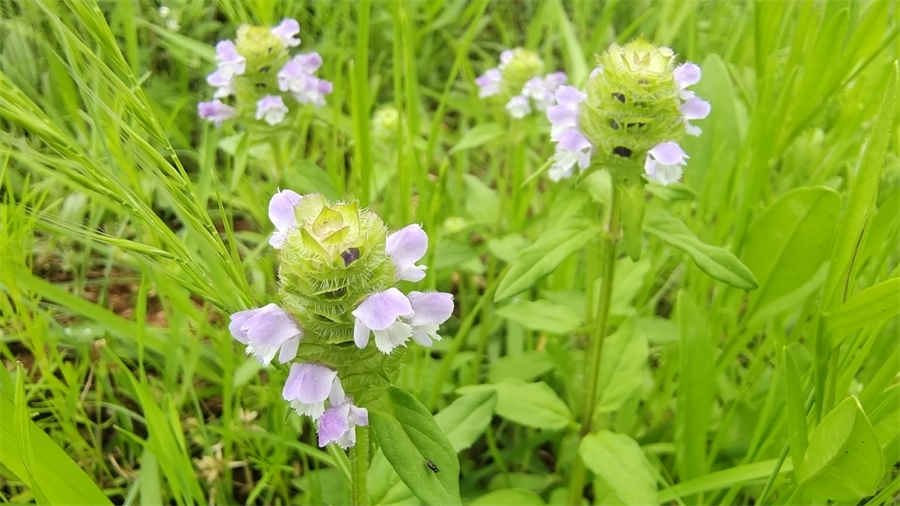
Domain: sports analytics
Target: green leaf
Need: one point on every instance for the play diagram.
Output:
(795, 402)
(787, 245)
(621, 466)
(717, 262)
(524, 366)
(510, 496)
(543, 256)
(478, 136)
(861, 199)
(410, 437)
(482, 203)
(542, 315)
(463, 421)
(34, 458)
(870, 307)
(725, 478)
(530, 404)
(843, 461)
(622, 367)
(466, 418)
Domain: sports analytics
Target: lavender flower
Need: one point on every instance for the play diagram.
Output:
(281, 213)
(308, 386)
(405, 247)
(230, 62)
(430, 310)
(338, 423)
(266, 331)
(564, 115)
(489, 83)
(572, 148)
(541, 90)
(297, 76)
(664, 162)
(287, 31)
(271, 109)
(215, 111)
(518, 106)
(380, 314)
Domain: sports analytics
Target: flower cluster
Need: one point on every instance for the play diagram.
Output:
(338, 286)
(636, 106)
(517, 81)
(245, 76)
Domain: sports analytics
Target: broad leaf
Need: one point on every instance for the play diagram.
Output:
(716, 261)
(530, 404)
(621, 466)
(542, 315)
(869, 307)
(543, 256)
(524, 366)
(411, 439)
(477, 136)
(622, 367)
(509, 496)
(843, 460)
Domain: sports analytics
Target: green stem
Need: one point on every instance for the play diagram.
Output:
(359, 467)
(597, 319)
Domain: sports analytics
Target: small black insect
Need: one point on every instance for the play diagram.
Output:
(431, 466)
(618, 96)
(350, 256)
(622, 151)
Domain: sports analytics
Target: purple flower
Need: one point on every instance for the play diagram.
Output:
(271, 109)
(518, 106)
(572, 148)
(281, 213)
(406, 247)
(380, 314)
(430, 310)
(215, 111)
(266, 331)
(230, 62)
(664, 162)
(223, 83)
(297, 77)
(686, 74)
(307, 387)
(543, 89)
(506, 56)
(564, 115)
(338, 423)
(693, 107)
(489, 83)
(286, 31)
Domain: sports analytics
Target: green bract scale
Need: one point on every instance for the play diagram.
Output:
(632, 105)
(265, 55)
(329, 263)
(517, 67)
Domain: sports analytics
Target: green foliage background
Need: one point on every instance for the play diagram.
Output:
(129, 230)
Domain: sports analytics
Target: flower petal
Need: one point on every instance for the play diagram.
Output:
(392, 337)
(668, 153)
(405, 247)
(687, 74)
(695, 108)
(286, 30)
(281, 209)
(308, 383)
(360, 334)
(381, 309)
(333, 424)
(430, 307)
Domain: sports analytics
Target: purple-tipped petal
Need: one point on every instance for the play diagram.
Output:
(506, 56)
(381, 309)
(406, 247)
(271, 109)
(308, 383)
(569, 96)
(518, 107)
(668, 153)
(695, 108)
(573, 140)
(231, 63)
(281, 209)
(489, 83)
(215, 111)
(687, 74)
(430, 307)
(286, 31)
(265, 331)
(555, 80)
(333, 424)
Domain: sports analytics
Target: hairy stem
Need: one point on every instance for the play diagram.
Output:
(359, 467)
(597, 318)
